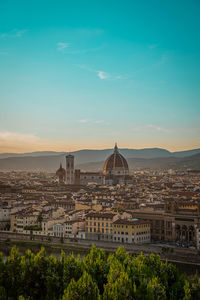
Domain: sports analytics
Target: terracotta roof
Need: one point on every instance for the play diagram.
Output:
(100, 215)
(115, 160)
(130, 222)
(61, 171)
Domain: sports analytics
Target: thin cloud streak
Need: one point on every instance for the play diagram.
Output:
(157, 128)
(83, 121)
(151, 127)
(102, 75)
(61, 46)
(15, 33)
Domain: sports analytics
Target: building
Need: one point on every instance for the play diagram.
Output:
(61, 174)
(69, 169)
(131, 231)
(99, 226)
(84, 178)
(178, 223)
(116, 170)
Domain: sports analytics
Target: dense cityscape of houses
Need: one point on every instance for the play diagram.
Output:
(155, 207)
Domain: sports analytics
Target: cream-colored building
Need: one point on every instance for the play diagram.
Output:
(131, 231)
(99, 225)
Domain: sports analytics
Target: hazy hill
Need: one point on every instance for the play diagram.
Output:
(192, 162)
(84, 156)
(52, 162)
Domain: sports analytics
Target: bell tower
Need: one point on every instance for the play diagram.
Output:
(69, 169)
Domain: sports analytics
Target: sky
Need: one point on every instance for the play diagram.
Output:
(86, 74)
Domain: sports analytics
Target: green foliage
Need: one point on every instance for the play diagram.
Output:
(116, 276)
(33, 227)
(83, 289)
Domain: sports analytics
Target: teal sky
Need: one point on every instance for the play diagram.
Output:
(84, 74)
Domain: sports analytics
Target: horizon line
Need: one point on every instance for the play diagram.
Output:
(93, 149)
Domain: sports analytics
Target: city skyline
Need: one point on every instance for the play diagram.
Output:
(83, 75)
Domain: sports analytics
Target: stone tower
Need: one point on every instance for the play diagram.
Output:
(69, 169)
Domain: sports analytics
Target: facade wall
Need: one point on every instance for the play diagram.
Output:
(173, 225)
(99, 226)
(86, 178)
(130, 233)
(4, 214)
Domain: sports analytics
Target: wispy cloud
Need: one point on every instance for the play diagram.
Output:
(157, 128)
(15, 136)
(92, 122)
(152, 46)
(3, 53)
(19, 33)
(61, 46)
(99, 121)
(83, 121)
(151, 127)
(23, 142)
(67, 49)
(107, 76)
(15, 33)
(3, 35)
(102, 75)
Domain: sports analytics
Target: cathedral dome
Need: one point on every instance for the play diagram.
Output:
(116, 163)
(61, 171)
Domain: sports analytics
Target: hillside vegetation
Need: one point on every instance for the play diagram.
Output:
(96, 276)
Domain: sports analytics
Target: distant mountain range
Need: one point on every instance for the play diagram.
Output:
(90, 160)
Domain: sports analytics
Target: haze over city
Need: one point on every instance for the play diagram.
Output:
(84, 74)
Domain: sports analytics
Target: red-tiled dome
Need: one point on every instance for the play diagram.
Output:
(115, 160)
(61, 171)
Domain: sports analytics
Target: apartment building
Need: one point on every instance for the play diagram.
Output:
(99, 225)
(131, 231)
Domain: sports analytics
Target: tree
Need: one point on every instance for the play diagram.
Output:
(39, 219)
(83, 289)
(120, 289)
(115, 276)
(95, 264)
